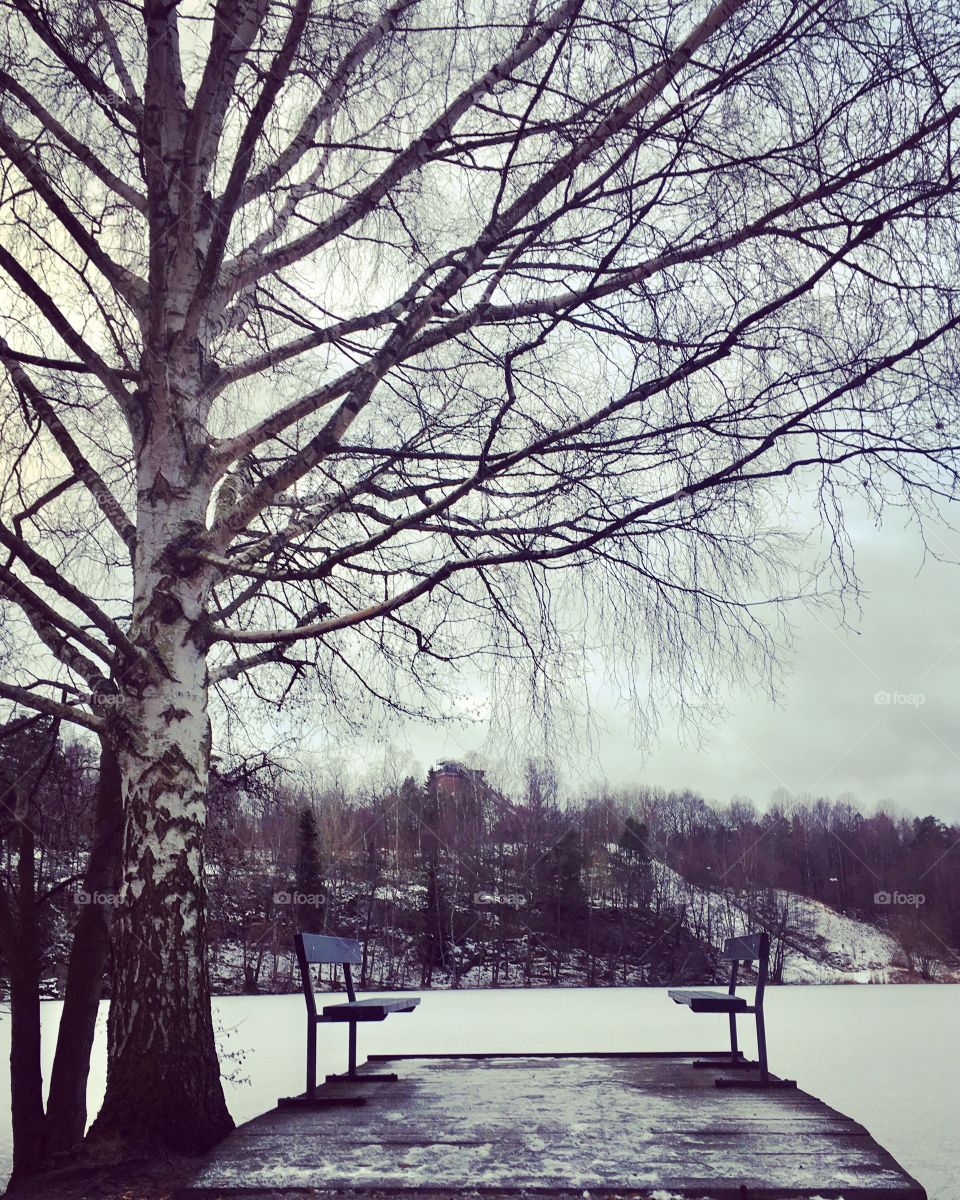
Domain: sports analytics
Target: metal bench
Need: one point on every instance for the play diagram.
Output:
(315, 948)
(755, 948)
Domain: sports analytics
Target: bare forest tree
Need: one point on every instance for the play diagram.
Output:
(333, 332)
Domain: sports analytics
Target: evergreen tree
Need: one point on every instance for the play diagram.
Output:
(560, 897)
(435, 939)
(634, 841)
(310, 883)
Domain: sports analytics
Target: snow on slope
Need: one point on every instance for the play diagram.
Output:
(821, 945)
(836, 947)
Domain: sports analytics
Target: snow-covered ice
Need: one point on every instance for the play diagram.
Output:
(887, 1056)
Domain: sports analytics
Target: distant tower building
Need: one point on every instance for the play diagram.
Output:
(454, 781)
(460, 796)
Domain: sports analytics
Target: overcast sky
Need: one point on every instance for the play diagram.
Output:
(827, 734)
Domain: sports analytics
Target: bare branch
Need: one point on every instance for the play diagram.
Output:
(51, 708)
(242, 273)
(320, 114)
(731, 473)
(55, 631)
(127, 285)
(87, 78)
(80, 150)
(225, 209)
(51, 312)
(83, 470)
(48, 574)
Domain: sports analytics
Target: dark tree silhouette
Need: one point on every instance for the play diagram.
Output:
(310, 881)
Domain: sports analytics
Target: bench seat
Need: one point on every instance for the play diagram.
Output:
(373, 1009)
(707, 1001)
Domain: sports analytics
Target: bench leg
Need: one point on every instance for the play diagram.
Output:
(762, 1046)
(351, 1075)
(310, 1099)
(311, 1059)
(764, 1080)
(737, 1061)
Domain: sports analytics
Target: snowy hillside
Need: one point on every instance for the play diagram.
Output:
(819, 945)
(833, 947)
(670, 936)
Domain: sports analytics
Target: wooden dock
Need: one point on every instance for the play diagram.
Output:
(591, 1125)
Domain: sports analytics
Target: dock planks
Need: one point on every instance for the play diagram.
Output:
(562, 1125)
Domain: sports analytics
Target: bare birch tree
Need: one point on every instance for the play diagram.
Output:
(339, 335)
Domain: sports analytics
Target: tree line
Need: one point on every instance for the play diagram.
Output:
(464, 886)
(480, 889)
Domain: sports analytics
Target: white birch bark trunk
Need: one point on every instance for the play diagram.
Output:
(163, 1083)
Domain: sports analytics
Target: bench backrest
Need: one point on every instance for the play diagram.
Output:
(318, 948)
(753, 948)
(746, 949)
(314, 948)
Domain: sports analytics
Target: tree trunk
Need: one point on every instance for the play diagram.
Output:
(67, 1103)
(26, 1085)
(163, 1082)
(163, 1077)
(26, 1081)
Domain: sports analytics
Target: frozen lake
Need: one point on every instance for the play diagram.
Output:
(887, 1056)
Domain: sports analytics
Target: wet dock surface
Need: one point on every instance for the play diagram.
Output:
(516, 1125)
